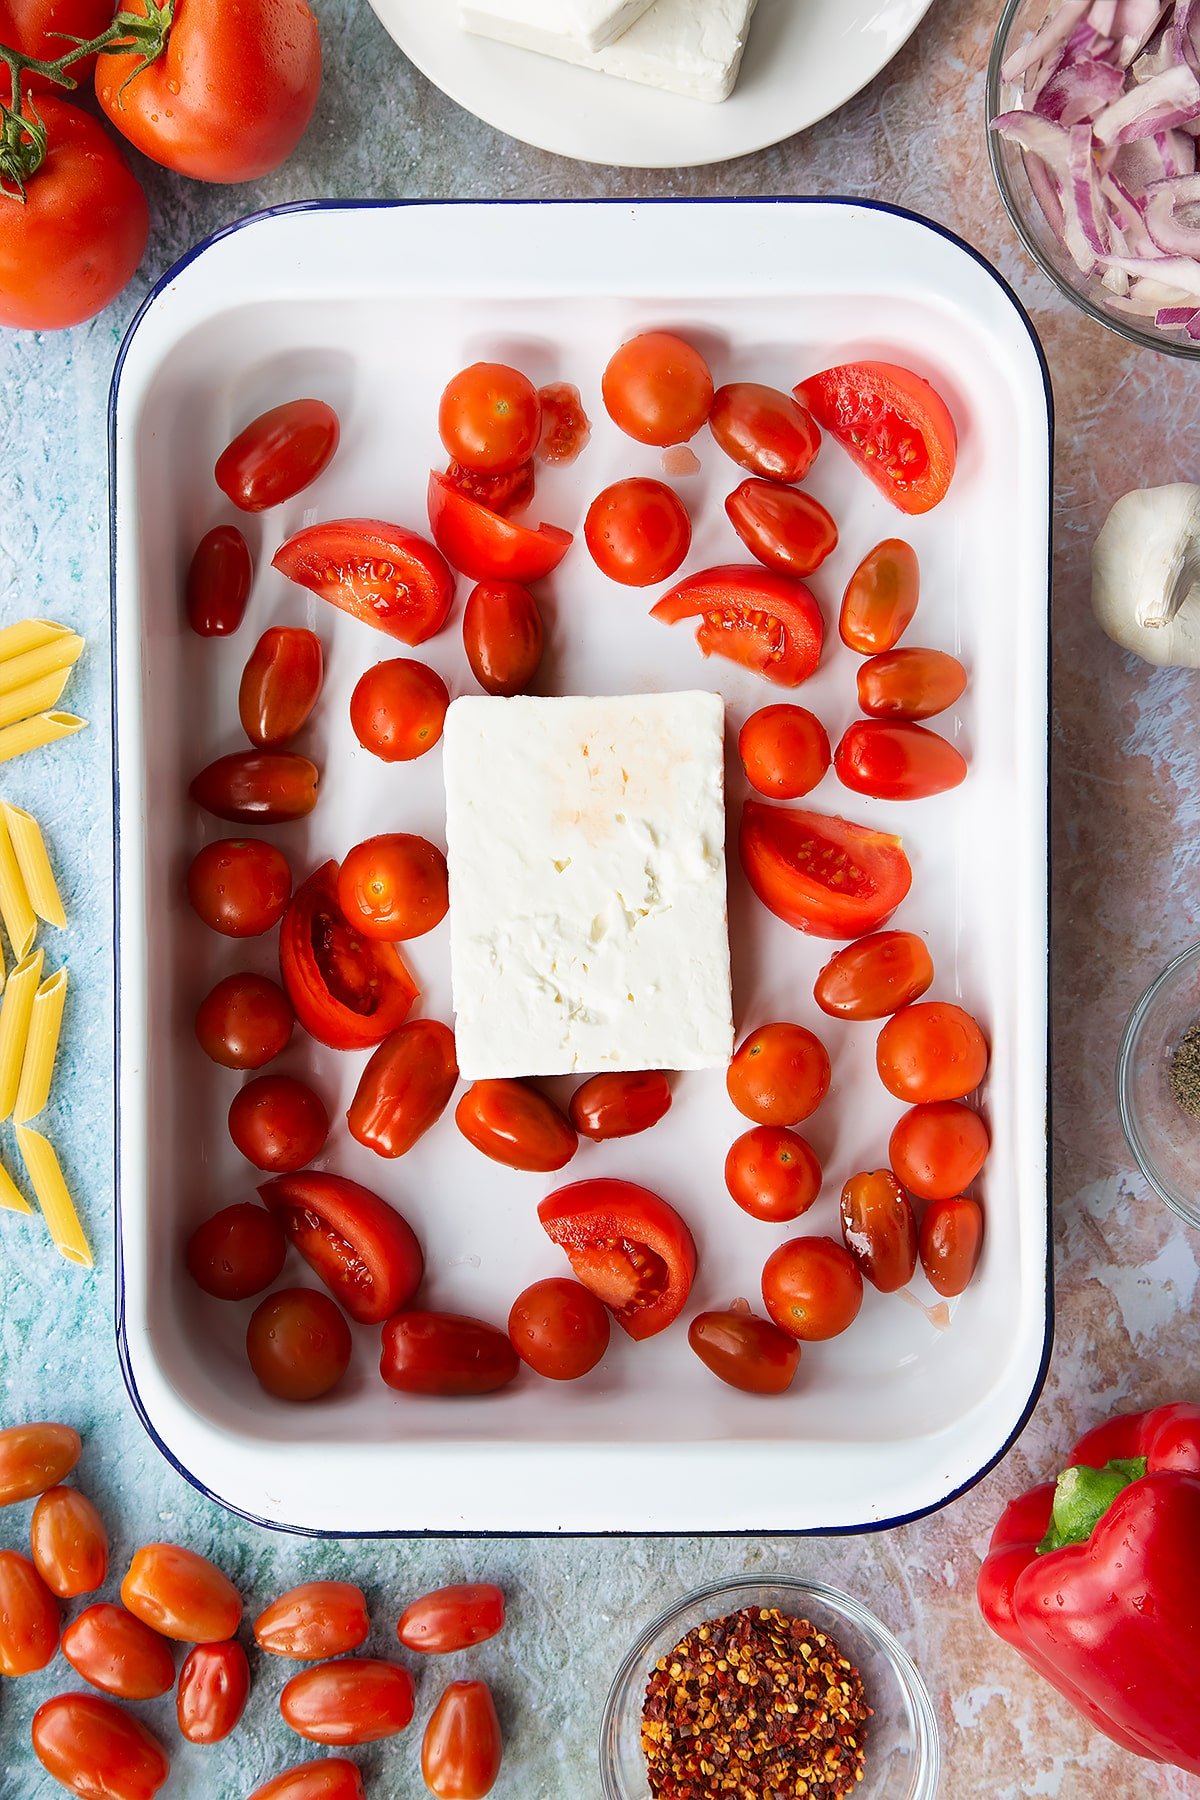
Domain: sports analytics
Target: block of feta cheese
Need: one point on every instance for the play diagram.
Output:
(691, 47)
(549, 25)
(586, 849)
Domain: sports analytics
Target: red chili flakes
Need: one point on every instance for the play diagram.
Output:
(757, 1706)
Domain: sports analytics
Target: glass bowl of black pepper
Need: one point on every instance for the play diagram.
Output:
(1158, 1084)
(753, 1687)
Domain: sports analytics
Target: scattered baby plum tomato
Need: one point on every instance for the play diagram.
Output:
(879, 1229)
(315, 1620)
(280, 684)
(657, 389)
(756, 617)
(779, 1074)
(784, 751)
(219, 578)
(880, 598)
(931, 1051)
(331, 1778)
(382, 574)
(505, 494)
(357, 1700)
(98, 1750)
(445, 1353)
(514, 1123)
(278, 454)
(784, 528)
(68, 1543)
(826, 876)
(117, 1653)
(764, 430)
(239, 886)
(744, 1351)
(298, 1344)
(237, 1252)
(452, 1618)
(35, 1457)
(484, 545)
(258, 787)
(214, 1686)
(559, 1328)
(503, 636)
(398, 708)
(895, 425)
(937, 1149)
(29, 1617)
(365, 1252)
(638, 531)
(950, 1240)
(772, 1173)
(812, 1288)
(616, 1106)
(181, 1595)
(565, 426)
(348, 990)
(490, 418)
(910, 684)
(405, 1087)
(278, 1123)
(245, 1022)
(875, 977)
(892, 760)
(394, 887)
(462, 1749)
(628, 1246)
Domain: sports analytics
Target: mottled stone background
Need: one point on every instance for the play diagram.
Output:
(1126, 848)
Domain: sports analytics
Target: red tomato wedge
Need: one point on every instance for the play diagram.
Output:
(895, 425)
(486, 546)
(347, 990)
(628, 1246)
(766, 621)
(383, 574)
(823, 875)
(364, 1251)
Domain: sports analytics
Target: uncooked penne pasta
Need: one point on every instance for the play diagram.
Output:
(46, 659)
(16, 1009)
(53, 1196)
(20, 920)
(11, 1197)
(41, 1047)
(30, 634)
(37, 696)
(29, 847)
(30, 734)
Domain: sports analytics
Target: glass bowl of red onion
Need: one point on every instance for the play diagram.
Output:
(1094, 136)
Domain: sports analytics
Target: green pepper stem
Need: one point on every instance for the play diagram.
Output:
(1083, 1495)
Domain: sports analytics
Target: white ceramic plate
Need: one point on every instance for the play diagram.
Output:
(804, 59)
(374, 307)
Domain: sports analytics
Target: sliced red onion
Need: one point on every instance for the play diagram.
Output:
(1173, 234)
(1135, 24)
(1157, 105)
(1103, 16)
(1056, 30)
(1183, 34)
(1075, 93)
(1169, 318)
(1193, 326)
(1179, 274)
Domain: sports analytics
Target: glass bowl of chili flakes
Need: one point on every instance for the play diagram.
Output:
(754, 1687)
(1158, 1084)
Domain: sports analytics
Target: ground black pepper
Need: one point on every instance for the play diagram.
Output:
(1185, 1071)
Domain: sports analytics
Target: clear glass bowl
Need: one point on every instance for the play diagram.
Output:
(1019, 19)
(1163, 1137)
(903, 1753)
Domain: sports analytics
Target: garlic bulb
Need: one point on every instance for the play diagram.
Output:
(1146, 574)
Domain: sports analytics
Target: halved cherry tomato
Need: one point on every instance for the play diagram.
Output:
(559, 1328)
(97, 1750)
(779, 1074)
(936, 1150)
(34, 1458)
(490, 418)
(118, 1654)
(219, 579)
(910, 684)
(744, 1351)
(181, 1594)
(394, 886)
(879, 1229)
(332, 1778)
(29, 1619)
(823, 875)
(462, 1748)
(880, 598)
(280, 684)
(278, 1123)
(565, 426)
(404, 1088)
(314, 1620)
(786, 529)
(951, 1236)
(615, 1106)
(638, 531)
(245, 1022)
(278, 454)
(875, 976)
(398, 708)
(237, 1252)
(658, 389)
(263, 787)
(214, 1686)
(503, 636)
(383, 574)
(504, 494)
(784, 751)
(365, 1252)
(358, 1700)
(298, 1344)
(812, 1288)
(764, 430)
(239, 886)
(897, 761)
(767, 622)
(895, 425)
(68, 1543)
(445, 1353)
(348, 991)
(514, 1123)
(485, 546)
(772, 1173)
(452, 1618)
(628, 1246)
(933, 1051)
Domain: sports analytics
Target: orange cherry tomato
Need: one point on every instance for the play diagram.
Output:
(382, 574)
(503, 636)
(452, 1618)
(445, 1353)
(298, 1344)
(910, 684)
(565, 426)
(879, 1229)
(404, 1088)
(779, 1075)
(462, 1748)
(937, 1149)
(331, 1778)
(559, 1328)
(932, 1051)
(315, 1620)
(894, 424)
(263, 787)
(278, 454)
(514, 1123)
(398, 708)
(823, 875)
(97, 1750)
(786, 529)
(280, 684)
(119, 1654)
(638, 531)
(614, 1106)
(29, 1619)
(951, 1236)
(69, 1543)
(219, 579)
(214, 1686)
(394, 886)
(772, 1173)
(875, 976)
(245, 1022)
(358, 1700)
(237, 1252)
(490, 418)
(744, 1351)
(239, 886)
(784, 751)
(764, 430)
(880, 598)
(658, 389)
(278, 1123)
(897, 761)
(34, 1458)
(181, 1594)
(812, 1288)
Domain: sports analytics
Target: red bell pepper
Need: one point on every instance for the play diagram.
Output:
(1094, 1579)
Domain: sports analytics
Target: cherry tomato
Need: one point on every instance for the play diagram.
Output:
(784, 751)
(895, 425)
(897, 761)
(219, 579)
(772, 1173)
(462, 1748)
(933, 1051)
(69, 1543)
(29, 1621)
(628, 1246)
(280, 684)
(119, 1654)
(348, 991)
(875, 976)
(445, 1353)
(214, 1686)
(490, 418)
(879, 1229)
(452, 1618)
(505, 494)
(398, 708)
(744, 1351)
(262, 787)
(951, 1236)
(658, 389)
(565, 425)
(404, 1088)
(910, 684)
(278, 1123)
(779, 1075)
(764, 431)
(278, 454)
(298, 1344)
(239, 886)
(880, 598)
(812, 1288)
(616, 1106)
(98, 1750)
(394, 887)
(823, 875)
(237, 1252)
(514, 1123)
(332, 1778)
(358, 1700)
(485, 546)
(315, 1620)
(936, 1150)
(245, 1022)
(364, 1251)
(503, 636)
(34, 1458)
(785, 529)
(40, 28)
(767, 622)
(181, 1595)
(383, 574)
(559, 1328)
(638, 531)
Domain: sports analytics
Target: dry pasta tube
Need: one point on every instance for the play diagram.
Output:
(47, 659)
(37, 696)
(20, 921)
(30, 734)
(41, 1048)
(11, 1197)
(29, 847)
(53, 1196)
(16, 1008)
(30, 634)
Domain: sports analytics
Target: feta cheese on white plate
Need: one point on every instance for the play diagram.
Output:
(691, 47)
(548, 25)
(588, 923)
